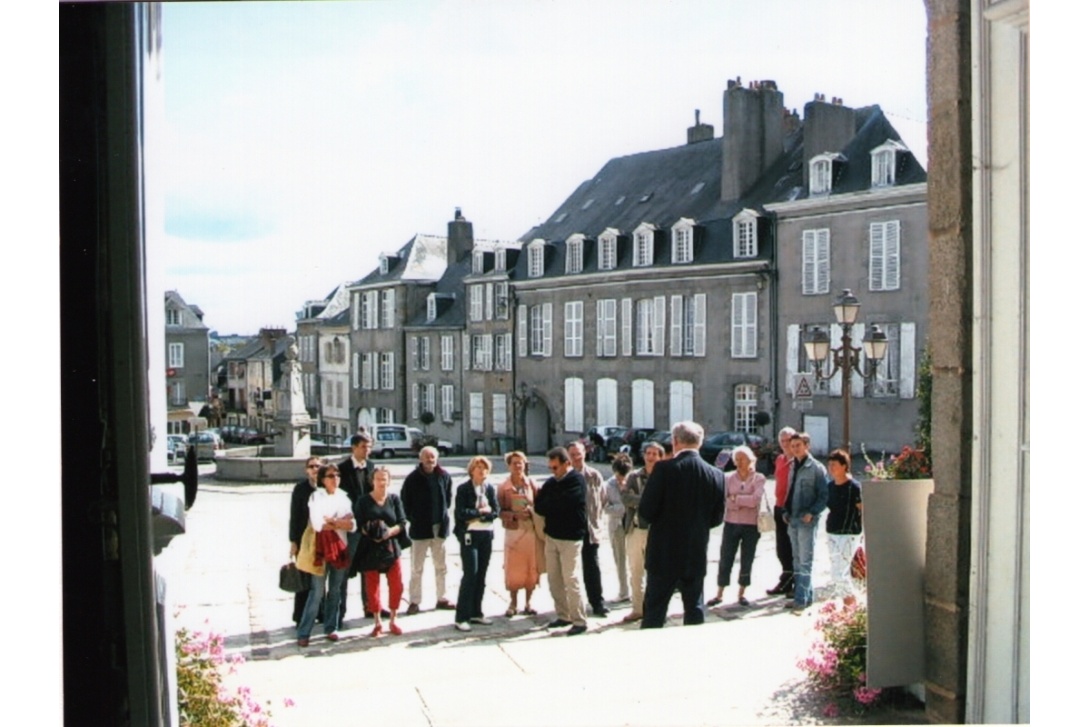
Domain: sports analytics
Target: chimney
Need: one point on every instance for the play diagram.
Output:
(826, 127)
(459, 237)
(753, 130)
(269, 337)
(699, 131)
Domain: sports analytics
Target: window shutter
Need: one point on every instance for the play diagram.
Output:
(822, 261)
(792, 352)
(600, 328)
(893, 255)
(355, 311)
(676, 313)
(415, 395)
(699, 323)
(522, 330)
(835, 332)
(547, 329)
(658, 337)
(858, 388)
(877, 254)
(488, 302)
(908, 361)
(355, 370)
(466, 352)
(626, 327)
(414, 354)
(808, 254)
(743, 334)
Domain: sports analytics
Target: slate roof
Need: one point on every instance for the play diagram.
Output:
(450, 299)
(422, 259)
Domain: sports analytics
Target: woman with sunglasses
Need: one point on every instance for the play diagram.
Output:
(330, 511)
(297, 525)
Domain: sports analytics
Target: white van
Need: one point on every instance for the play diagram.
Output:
(392, 440)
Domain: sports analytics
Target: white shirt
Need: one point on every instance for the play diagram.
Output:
(323, 505)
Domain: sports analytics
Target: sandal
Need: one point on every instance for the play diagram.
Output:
(509, 612)
(377, 631)
(714, 602)
(743, 601)
(395, 629)
(529, 612)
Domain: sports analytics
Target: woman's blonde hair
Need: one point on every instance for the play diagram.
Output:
(479, 461)
(517, 454)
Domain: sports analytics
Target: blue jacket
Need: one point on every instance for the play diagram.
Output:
(810, 489)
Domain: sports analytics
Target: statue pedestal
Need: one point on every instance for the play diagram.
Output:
(292, 420)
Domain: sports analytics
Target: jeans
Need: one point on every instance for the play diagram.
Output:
(783, 546)
(803, 539)
(331, 618)
(734, 535)
(475, 558)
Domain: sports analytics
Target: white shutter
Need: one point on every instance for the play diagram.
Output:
(547, 329)
(822, 261)
(414, 353)
(522, 330)
(676, 315)
(835, 332)
(425, 353)
(658, 337)
(466, 352)
(858, 388)
(600, 327)
(699, 323)
(743, 333)
(792, 353)
(643, 403)
(355, 311)
(626, 327)
(809, 245)
(415, 403)
(356, 370)
(877, 255)
(908, 360)
(607, 402)
(488, 302)
(893, 255)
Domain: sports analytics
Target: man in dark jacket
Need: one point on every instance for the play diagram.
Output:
(357, 472)
(684, 499)
(297, 524)
(562, 501)
(807, 498)
(427, 495)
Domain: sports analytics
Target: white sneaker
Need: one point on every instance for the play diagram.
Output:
(481, 620)
(462, 626)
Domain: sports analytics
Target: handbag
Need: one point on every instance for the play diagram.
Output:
(766, 521)
(292, 579)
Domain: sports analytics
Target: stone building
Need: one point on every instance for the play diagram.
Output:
(187, 359)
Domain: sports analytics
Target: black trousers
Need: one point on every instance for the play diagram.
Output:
(475, 558)
(660, 589)
(592, 575)
(783, 546)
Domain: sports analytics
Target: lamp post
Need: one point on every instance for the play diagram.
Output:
(846, 359)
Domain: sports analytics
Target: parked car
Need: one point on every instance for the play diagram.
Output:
(630, 442)
(207, 444)
(251, 436)
(717, 447)
(392, 440)
(176, 447)
(419, 438)
(595, 441)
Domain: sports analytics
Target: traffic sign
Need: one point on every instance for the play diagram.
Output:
(802, 388)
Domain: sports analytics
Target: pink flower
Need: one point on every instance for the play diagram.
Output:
(831, 710)
(288, 702)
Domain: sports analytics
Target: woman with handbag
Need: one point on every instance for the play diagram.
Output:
(844, 524)
(382, 518)
(744, 490)
(475, 508)
(323, 553)
(521, 569)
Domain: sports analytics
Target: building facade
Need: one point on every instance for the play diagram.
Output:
(187, 360)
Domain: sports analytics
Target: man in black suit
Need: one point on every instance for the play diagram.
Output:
(357, 473)
(684, 499)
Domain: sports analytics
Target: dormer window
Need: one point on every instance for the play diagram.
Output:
(478, 262)
(384, 263)
(501, 260)
(536, 263)
(574, 258)
(607, 249)
(174, 317)
(883, 163)
(682, 249)
(745, 234)
(431, 307)
(643, 253)
(822, 167)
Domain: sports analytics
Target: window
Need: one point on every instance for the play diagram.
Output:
(643, 403)
(386, 371)
(414, 401)
(745, 234)
(607, 328)
(384, 416)
(368, 309)
(503, 351)
(340, 394)
(503, 291)
(536, 263)
(650, 325)
(883, 163)
(644, 253)
(432, 308)
(681, 401)
(476, 411)
(541, 330)
(177, 393)
(607, 401)
(573, 405)
(446, 353)
(478, 262)
(573, 328)
(428, 404)
(607, 250)
(821, 175)
(387, 308)
(682, 249)
(626, 327)
(745, 408)
(815, 262)
(383, 264)
(446, 396)
(501, 260)
(743, 331)
(573, 261)
(176, 355)
(687, 325)
(368, 371)
(476, 303)
(488, 302)
(499, 413)
(174, 317)
(885, 255)
(425, 353)
(482, 352)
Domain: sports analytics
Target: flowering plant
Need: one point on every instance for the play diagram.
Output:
(837, 662)
(910, 464)
(202, 697)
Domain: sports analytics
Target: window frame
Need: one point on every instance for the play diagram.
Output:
(573, 255)
(607, 249)
(682, 246)
(885, 256)
(743, 333)
(818, 241)
(573, 328)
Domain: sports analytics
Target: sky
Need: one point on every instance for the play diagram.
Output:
(303, 139)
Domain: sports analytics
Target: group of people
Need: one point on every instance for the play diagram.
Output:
(657, 519)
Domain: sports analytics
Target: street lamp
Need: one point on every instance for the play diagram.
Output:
(846, 359)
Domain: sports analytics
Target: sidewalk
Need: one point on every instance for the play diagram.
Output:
(738, 668)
